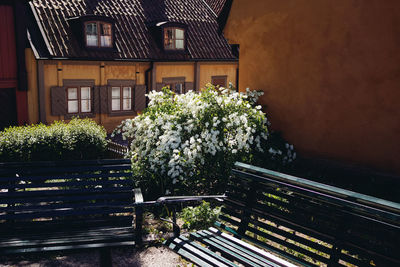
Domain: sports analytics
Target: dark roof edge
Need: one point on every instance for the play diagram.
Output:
(51, 52)
(224, 15)
(141, 60)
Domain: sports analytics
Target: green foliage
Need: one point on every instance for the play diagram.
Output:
(78, 139)
(199, 217)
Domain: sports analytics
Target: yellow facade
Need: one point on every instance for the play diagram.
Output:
(210, 69)
(167, 70)
(55, 72)
(206, 71)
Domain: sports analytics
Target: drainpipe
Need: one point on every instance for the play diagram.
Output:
(147, 79)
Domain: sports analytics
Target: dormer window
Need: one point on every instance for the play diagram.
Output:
(98, 34)
(174, 38)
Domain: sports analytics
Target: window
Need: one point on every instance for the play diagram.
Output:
(121, 98)
(175, 84)
(219, 80)
(79, 99)
(174, 38)
(176, 87)
(98, 34)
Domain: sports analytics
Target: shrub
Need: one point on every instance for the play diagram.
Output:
(188, 143)
(279, 154)
(199, 217)
(78, 139)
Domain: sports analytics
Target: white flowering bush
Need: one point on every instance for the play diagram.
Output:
(189, 142)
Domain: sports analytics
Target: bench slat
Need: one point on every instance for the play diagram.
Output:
(68, 247)
(68, 184)
(252, 248)
(67, 224)
(63, 192)
(60, 176)
(72, 238)
(187, 253)
(209, 252)
(67, 199)
(225, 250)
(50, 171)
(50, 206)
(239, 248)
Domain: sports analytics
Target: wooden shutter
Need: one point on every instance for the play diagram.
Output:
(188, 86)
(159, 86)
(103, 101)
(140, 97)
(58, 101)
(96, 99)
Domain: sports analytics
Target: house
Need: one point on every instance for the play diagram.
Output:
(98, 58)
(330, 73)
(13, 88)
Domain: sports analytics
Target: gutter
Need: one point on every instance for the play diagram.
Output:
(141, 60)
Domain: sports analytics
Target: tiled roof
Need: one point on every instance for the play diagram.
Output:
(134, 39)
(216, 5)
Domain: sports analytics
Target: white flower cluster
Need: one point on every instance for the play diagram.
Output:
(287, 156)
(178, 133)
(253, 96)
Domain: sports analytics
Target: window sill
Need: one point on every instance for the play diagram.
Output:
(80, 115)
(121, 113)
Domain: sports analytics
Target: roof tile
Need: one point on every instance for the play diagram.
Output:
(133, 38)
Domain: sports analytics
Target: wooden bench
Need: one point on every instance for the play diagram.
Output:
(303, 222)
(53, 206)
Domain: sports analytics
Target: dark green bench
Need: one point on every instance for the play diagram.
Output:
(304, 222)
(54, 206)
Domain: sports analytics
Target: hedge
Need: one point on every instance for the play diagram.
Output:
(76, 140)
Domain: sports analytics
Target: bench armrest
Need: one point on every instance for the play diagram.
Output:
(138, 195)
(172, 199)
(181, 199)
(139, 204)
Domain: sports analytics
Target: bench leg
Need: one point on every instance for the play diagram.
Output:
(105, 258)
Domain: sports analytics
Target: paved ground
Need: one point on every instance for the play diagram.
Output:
(152, 257)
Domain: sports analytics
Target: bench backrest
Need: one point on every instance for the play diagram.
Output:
(313, 223)
(54, 196)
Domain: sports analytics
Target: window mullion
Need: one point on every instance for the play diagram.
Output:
(174, 37)
(121, 99)
(78, 92)
(98, 34)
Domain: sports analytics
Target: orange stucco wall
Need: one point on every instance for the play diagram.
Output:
(330, 71)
